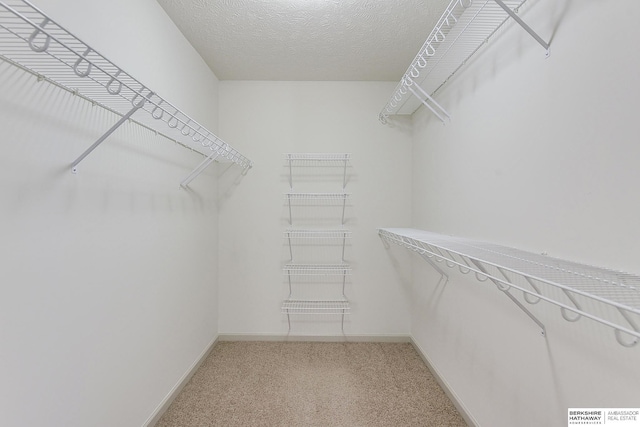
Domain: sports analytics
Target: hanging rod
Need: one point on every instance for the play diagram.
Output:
(464, 27)
(502, 265)
(33, 41)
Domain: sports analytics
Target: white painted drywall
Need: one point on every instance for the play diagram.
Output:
(294, 117)
(541, 155)
(108, 280)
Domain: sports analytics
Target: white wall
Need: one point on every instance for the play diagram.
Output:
(541, 155)
(108, 277)
(273, 118)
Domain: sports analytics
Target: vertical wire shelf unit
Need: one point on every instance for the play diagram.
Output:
(332, 237)
(464, 27)
(35, 43)
(609, 297)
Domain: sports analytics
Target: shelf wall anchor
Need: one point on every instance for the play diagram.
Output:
(199, 169)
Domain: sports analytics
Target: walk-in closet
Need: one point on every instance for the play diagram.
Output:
(319, 213)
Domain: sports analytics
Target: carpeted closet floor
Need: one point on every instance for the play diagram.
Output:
(312, 384)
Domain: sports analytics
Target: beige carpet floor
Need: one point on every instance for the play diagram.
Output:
(312, 384)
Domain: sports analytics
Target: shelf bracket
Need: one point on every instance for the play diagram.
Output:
(504, 287)
(443, 276)
(426, 104)
(113, 128)
(524, 25)
(199, 169)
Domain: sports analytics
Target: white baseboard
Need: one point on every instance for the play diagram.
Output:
(318, 338)
(175, 391)
(462, 409)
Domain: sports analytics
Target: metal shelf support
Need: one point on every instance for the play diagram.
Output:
(524, 25)
(505, 290)
(444, 277)
(425, 96)
(199, 169)
(113, 128)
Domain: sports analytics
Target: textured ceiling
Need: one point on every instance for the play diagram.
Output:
(306, 39)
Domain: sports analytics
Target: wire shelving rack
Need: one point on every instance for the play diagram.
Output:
(338, 236)
(341, 269)
(313, 159)
(318, 234)
(327, 271)
(464, 27)
(312, 244)
(32, 41)
(327, 199)
(315, 307)
(579, 290)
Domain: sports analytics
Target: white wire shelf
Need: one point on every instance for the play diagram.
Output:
(464, 27)
(315, 307)
(317, 269)
(318, 234)
(338, 237)
(318, 157)
(34, 42)
(311, 307)
(328, 199)
(317, 196)
(577, 283)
